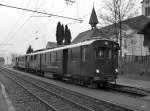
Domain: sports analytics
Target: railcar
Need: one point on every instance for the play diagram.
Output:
(20, 62)
(2, 61)
(89, 62)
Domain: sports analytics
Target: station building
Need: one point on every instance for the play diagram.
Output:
(134, 44)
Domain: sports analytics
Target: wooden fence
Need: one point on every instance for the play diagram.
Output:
(136, 59)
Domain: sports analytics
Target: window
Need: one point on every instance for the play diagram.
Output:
(59, 56)
(125, 44)
(49, 57)
(31, 58)
(103, 52)
(100, 52)
(75, 54)
(45, 57)
(53, 56)
(84, 54)
(146, 11)
(34, 57)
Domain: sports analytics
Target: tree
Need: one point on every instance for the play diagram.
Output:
(59, 33)
(13, 57)
(70, 2)
(117, 11)
(67, 38)
(62, 33)
(29, 50)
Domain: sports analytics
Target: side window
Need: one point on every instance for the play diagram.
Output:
(45, 57)
(50, 57)
(34, 57)
(75, 54)
(84, 53)
(53, 56)
(59, 56)
(31, 58)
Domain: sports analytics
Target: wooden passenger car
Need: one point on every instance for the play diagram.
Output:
(91, 61)
(21, 62)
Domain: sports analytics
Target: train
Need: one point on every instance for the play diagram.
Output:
(91, 62)
(2, 61)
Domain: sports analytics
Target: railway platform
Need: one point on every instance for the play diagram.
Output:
(3, 106)
(144, 84)
(5, 103)
(136, 104)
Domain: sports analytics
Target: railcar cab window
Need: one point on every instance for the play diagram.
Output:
(103, 52)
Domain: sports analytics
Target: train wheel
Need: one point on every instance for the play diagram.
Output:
(41, 73)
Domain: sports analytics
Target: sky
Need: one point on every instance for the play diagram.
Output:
(19, 29)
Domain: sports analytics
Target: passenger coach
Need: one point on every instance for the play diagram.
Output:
(88, 62)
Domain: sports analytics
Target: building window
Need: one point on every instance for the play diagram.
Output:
(125, 44)
(146, 11)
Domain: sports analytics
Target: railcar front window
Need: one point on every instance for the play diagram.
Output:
(103, 52)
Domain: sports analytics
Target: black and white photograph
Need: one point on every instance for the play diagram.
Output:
(74, 55)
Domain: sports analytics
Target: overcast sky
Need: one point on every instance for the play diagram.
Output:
(19, 28)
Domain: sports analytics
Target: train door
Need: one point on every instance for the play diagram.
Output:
(65, 61)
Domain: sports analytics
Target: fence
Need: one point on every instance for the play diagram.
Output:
(136, 59)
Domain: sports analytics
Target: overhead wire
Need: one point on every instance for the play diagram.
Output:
(16, 23)
(21, 26)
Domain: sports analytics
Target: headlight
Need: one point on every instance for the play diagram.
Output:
(97, 71)
(116, 70)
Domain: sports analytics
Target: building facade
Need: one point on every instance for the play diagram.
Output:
(146, 7)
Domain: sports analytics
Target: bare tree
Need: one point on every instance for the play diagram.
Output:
(13, 57)
(116, 12)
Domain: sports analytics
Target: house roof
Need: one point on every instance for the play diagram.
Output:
(89, 34)
(145, 29)
(136, 23)
(51, 44)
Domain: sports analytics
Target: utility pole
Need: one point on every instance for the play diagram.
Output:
(115, 11)
(120, 27)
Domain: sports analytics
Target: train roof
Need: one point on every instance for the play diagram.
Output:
(87, 42)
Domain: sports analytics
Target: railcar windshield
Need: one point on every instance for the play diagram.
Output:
(103, 52)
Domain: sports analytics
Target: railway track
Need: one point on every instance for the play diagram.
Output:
(76, 100)
(24, 98)
(51, 99)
